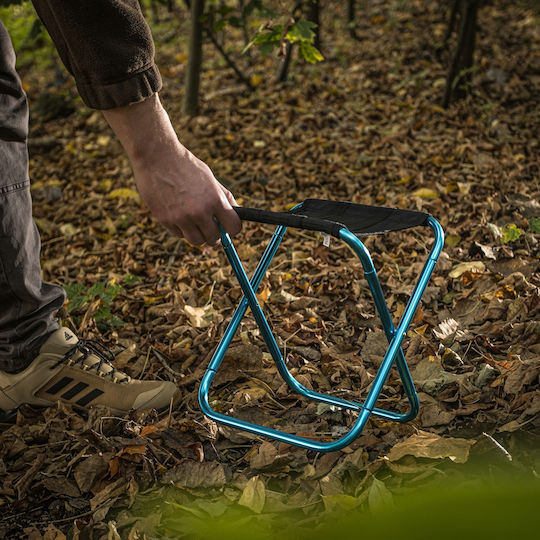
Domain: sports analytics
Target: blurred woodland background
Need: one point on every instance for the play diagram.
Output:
(419, 104)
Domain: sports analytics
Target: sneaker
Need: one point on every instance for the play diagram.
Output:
(79, 372)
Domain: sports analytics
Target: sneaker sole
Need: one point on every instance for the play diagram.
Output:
(10, 417)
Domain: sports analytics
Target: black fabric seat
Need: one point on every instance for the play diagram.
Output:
(331, 216)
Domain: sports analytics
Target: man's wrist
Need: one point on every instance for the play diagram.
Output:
(141, 126)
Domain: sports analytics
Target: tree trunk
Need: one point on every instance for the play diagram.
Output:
(193, 72)
(459, 77)
(241, 7)
(351, 11)
(312, 11)
(451, 22)
(351, 18)
(283, 71)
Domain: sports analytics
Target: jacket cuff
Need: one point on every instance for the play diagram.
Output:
(134, 89)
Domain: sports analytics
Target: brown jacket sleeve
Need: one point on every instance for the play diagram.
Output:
(106, 45)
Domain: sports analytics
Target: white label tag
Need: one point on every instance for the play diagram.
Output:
(326, 240)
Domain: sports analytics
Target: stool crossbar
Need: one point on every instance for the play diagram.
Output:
(346, 221)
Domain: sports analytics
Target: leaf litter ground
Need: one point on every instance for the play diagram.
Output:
(364, 126)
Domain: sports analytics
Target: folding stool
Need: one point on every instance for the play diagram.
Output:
(346, 221)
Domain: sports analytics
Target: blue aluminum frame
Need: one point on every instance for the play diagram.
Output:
(395, 336)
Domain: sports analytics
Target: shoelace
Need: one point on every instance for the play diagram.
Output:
(88, 347)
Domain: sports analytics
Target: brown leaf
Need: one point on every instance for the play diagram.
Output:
(25, 480)
(102, 502)
(192, 474)
(124, 358)
(429, 445)
(430, 376)
(146, 430)
(433, 415)
(61, 486)
(107, 494)
(254, 495)
(331, 485)
(114, 467)
(52, 533)
(461, 268)
(409, 465)
(265, 456)
(136, 449)
(524, 374)
(90, 469)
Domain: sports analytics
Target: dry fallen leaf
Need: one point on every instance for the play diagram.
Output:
(461, 268)
(432, 446)
(253, 496)
(200, 317)
(426, 193)
(124, 193)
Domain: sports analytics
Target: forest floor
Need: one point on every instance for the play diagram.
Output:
(365, 126)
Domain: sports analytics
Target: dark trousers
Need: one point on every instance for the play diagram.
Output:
(27, 304)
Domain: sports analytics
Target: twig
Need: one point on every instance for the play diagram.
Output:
(211, 293)
(168, 368)
(170, 414)
(286, 46)
(190, 378)
(498, 445)
(145, 363)
(14, 516)
(52, 240)
(77, 516)
(238, 89)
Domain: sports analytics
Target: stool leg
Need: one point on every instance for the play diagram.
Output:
(262, 323)
(388, 326)
(258, 275)
(396, 336)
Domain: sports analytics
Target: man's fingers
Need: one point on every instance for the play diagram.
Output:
(173, 229)
(230, 196)
(196, 220)
(193, 235)
(210, 231)
(229, 218)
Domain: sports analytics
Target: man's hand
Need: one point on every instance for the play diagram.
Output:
(179, 189)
